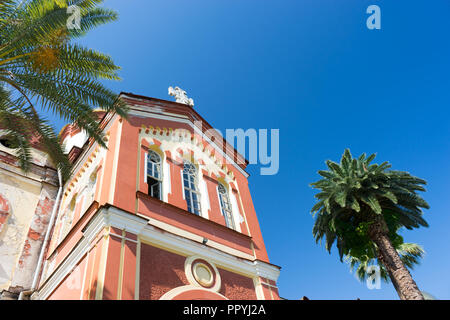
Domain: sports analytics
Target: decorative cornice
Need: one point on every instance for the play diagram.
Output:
(181, 113)
(37, 173)
(109, 216)
(186, 136)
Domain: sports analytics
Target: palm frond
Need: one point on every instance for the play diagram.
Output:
(40, 62)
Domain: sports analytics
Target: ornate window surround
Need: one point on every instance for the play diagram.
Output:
(154, 170)
(191, 187)
(225, 205)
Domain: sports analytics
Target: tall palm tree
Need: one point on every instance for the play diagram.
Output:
(410, 255)
(43, 70)
(362, 206)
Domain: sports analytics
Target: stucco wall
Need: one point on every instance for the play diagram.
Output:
(162, 271)
(236, 287)
(29, 198)
(23, 197)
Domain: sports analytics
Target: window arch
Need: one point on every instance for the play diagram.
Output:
(225, 206)
(66, 219)
(153, 175)
(191, 192)
(89, 191)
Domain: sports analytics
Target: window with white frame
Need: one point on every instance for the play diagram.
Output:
(225, 206)
(153, 175)
(191, 193)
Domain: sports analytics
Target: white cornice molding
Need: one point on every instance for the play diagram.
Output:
(17, 174)
(37, 174)
(114, 217)
(266, 270)
(185, 235)
(140, 226)
(125, 221)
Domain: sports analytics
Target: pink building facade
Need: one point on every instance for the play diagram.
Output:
(165, 212)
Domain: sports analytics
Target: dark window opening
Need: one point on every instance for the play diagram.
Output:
(8, 142)
(153, 175)
(154, 187)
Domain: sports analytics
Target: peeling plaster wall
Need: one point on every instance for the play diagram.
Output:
(23, 197)
(23, 276)
(26, 203)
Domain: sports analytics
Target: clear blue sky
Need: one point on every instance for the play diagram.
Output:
(312, 69)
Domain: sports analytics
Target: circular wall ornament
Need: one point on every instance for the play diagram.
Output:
(202, 273)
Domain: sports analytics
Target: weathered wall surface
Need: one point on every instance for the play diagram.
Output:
(26, 202)
(23, 197)
(24, 273)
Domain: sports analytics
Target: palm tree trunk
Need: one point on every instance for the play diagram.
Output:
(404, 284)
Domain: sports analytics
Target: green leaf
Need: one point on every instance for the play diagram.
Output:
(326, 174)
(355, 204)
(372, 202)
(389, 195)
(340, 198)
(370, 158)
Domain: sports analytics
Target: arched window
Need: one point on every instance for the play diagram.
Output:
(153, 175)
(89, 191)
(225, 206)
(67, 218)
(191, 193)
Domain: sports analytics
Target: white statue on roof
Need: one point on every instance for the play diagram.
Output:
(181, 96)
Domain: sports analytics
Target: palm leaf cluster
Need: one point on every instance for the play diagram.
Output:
(410, 255)
(43, 70)
(353, 195)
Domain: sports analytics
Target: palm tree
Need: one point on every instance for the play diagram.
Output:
(43, 70)
(361, 207)
(410, 254)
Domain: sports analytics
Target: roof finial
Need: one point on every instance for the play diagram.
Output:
(181, 96)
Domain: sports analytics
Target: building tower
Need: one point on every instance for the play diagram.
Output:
(164, 212)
